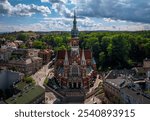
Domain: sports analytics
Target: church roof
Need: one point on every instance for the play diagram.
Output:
(61, 54)
(87, 53)
(93, 61)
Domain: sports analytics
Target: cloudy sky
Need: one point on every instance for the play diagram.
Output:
(56, 15)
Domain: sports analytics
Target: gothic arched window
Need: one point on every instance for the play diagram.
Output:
(75, 71)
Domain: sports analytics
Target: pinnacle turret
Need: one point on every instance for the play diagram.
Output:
(66, 61)
(83, 61)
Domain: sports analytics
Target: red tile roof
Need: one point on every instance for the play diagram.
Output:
(61, 54)
(87, 53)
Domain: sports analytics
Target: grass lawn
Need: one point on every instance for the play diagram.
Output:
(27, 95)
(21, 85)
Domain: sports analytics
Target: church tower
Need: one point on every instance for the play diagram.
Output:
(74, 42)
(75, 67)
(74, 31)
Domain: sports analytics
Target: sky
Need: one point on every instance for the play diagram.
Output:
(57, 15)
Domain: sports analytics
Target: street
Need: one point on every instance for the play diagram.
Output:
(91, 97)
(41, 75)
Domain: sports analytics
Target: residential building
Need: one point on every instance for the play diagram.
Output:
(143, 71)
(112, 89)
(28, 66)
(146, 66)
(45, 55)
(124, 86)
(133, 93)
(33, 52)
(18, 42)
(10, 45)
(25, 53)
(5, 54)
(146, 63)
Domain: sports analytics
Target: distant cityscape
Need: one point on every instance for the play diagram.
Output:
(64, 68)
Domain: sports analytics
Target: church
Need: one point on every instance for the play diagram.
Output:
(75, 68)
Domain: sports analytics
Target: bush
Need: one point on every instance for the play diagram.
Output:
(46, 81)
(28, 80)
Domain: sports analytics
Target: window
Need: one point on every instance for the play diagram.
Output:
(75, 71)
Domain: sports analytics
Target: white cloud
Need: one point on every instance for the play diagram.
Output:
(61, 9)
(114, 14)
(109, 20)
(22, 27)
(22, 9)
(60, 6)
(55, 1)
(65, 24)
(129, 10)
(44, 0)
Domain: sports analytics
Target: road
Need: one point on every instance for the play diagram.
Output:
(50, 98)
(41, 75)
(96, 84)
(91, 98)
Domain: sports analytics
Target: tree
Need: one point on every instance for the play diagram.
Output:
(28, 80)
(11, 38)
(23, 46)
(39, 44)
(23, 36)
(147, 49)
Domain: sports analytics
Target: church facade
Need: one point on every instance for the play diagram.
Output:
(76, 68)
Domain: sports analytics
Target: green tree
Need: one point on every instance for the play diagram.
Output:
(39, 44)
(23, 36)
(23, 46)
(28, 79)
(147, 49)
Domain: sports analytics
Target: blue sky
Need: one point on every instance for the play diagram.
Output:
(56, 15)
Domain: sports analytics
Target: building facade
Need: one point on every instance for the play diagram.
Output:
(146, 63)
(120, 86)
(45, 55)
(5, 54)
(146, 66)
(75, 68)
(28, 66)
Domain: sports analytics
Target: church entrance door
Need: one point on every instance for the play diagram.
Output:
(74, 85)
(70, 85)
(79, 85)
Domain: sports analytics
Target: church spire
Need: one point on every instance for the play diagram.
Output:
(74, 21)
(83, 61)
(66, 61)
(74, 31)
